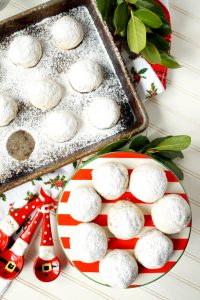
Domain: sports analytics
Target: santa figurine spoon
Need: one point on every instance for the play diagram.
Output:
(47, 266)
(11, 223)
(11, 260)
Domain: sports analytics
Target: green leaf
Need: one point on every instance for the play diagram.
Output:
(121, 17)
(148, 17)
(171, 154)
(154, 143)
(153, 6)
(3, 197)
(148, 29)
(105, 7)
(139, 142)
(136, 34)
(168, 61)
(123, 33)
(142, 71)
(158, 41)
(164, 29)
(131, 1)
(174, 143)
(113, 147)
(151, 53)
(170, 165)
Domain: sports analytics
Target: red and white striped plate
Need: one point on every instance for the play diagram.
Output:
(66, 224)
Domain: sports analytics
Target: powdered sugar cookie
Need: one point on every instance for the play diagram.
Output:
(125, 220)
(171, 214)
(153, 249)
(88, 242)
(118, 268)
(103, 112)
(110, 180)
(44, 93)
(60, 126)
(8, 109)
(84, 204)
(148, 182)
(25, 51)
(67, 33)
(85, 76)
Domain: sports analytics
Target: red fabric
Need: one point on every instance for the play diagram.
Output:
(162, 71)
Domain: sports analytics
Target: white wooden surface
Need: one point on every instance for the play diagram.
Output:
(177, 111)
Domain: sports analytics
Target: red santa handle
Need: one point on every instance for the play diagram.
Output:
(47, 266)
(12, 222)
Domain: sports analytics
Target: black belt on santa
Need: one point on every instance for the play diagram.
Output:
(6, 262)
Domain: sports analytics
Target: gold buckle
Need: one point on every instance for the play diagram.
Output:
(46, 268)
(10, 267)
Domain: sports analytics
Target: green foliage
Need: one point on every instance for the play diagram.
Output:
(136, 34)
(143, 24)
(163, 149)
(151, 53)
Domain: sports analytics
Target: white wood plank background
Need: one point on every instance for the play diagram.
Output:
(177, 111)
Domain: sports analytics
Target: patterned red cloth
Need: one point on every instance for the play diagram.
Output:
(160, 70)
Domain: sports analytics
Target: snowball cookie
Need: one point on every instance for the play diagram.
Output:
(88, 242)
(110, 180)
(8, 110)
(44, 93)
(118, 269)
(148, 182)
(103, 112)
(61, 126)
(67, 33)
(85, 75)
(153, 249)
(84, 204)
(25, 51)
(171, 214)
(125, 220)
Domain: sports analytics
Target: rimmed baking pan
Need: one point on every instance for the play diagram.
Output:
(135, 118)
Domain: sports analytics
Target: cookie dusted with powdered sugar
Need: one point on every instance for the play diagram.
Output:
(110, 180)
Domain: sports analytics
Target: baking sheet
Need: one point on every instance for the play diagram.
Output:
(55, 63)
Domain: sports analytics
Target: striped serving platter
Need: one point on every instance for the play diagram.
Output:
(66, 224)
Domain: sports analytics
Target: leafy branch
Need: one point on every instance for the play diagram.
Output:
(163, 149)
(143, 24)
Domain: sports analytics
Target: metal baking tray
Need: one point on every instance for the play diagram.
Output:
(139, 119)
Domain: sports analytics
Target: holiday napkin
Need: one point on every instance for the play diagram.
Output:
(149, 81)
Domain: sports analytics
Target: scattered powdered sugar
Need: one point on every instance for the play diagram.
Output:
(56, 63)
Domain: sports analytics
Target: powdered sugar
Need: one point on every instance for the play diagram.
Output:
(148, 182)
(85, 75)
(25, 51)
(125, 220)
(118, 268)
(171, 214)
(44, 93)
(153, 249)
(8, 109)
(67, 33)
(55, 63)
(84, 204)
(110, 180)
(88, 242)
(104, 112)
